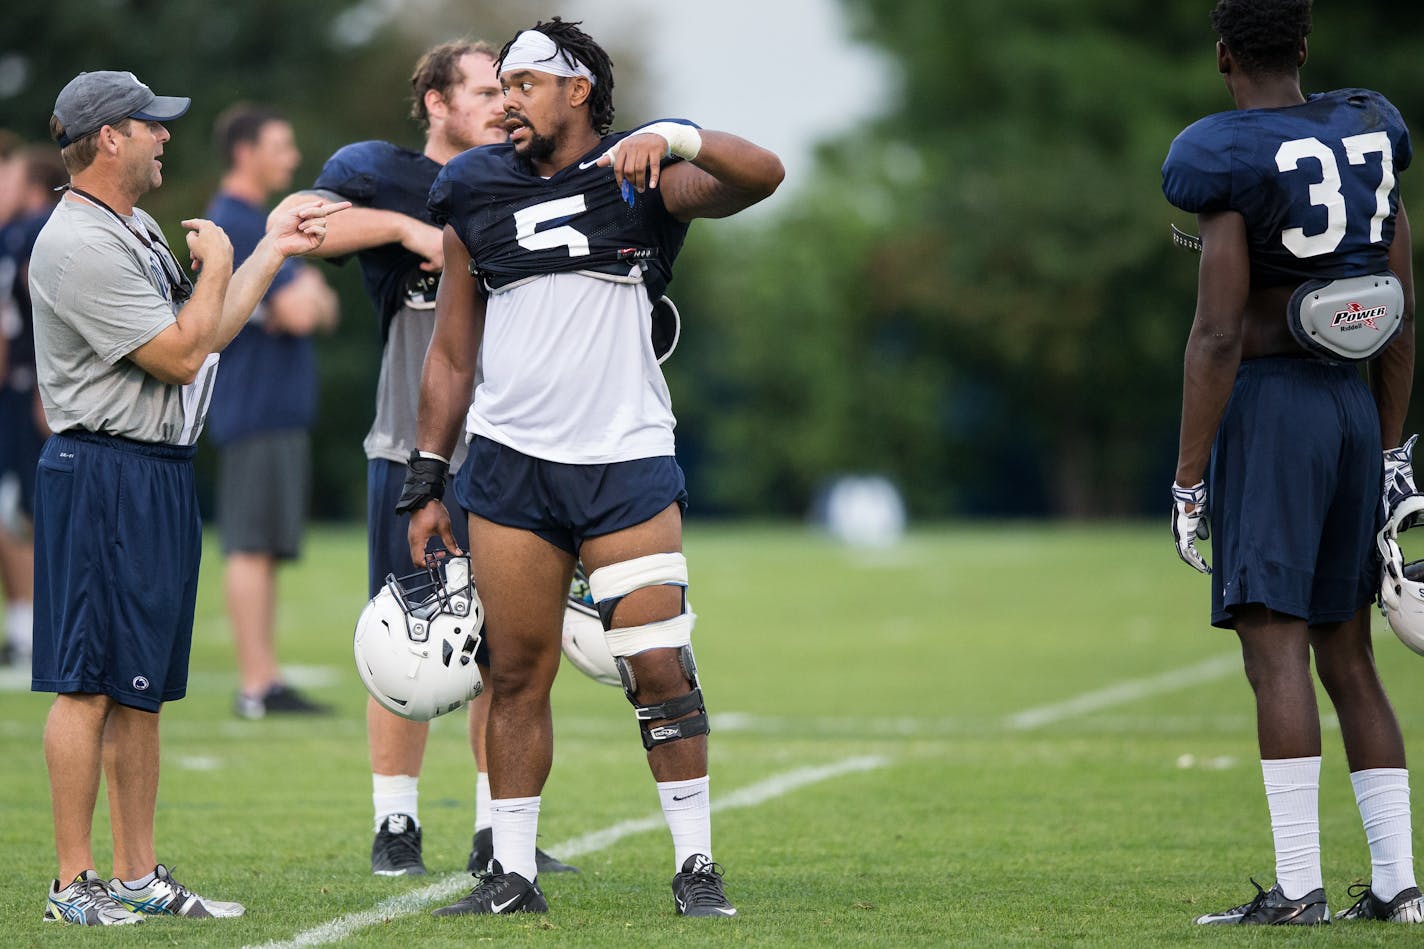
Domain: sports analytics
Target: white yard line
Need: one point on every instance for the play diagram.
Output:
(1121, 693)
(1218, 667)
(416, 900)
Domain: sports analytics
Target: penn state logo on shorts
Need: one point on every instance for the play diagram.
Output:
(140, 684)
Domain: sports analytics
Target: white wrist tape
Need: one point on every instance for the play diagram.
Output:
(684, 141)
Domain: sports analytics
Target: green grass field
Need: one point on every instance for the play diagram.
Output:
(1025, 735)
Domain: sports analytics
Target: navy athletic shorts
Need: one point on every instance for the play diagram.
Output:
(118, 539)
(20, 443)
(1294, 492)
(564, 504)
(387, 549)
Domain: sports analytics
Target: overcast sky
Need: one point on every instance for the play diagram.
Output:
(783, 73)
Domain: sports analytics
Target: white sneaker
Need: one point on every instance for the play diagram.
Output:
(166, 896)
(86, 902)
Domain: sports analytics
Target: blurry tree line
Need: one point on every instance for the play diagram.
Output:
(977, 294)
(338, 69)
(973, 293)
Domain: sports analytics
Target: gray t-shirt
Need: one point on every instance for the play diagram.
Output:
(99, 293)
(393, 431)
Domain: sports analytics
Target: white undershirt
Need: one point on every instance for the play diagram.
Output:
(569, 373)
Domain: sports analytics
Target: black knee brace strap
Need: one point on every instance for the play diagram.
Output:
(689, 727)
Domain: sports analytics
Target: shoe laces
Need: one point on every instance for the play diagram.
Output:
(705, 882)
(165, 875)
(95, 890)
(404, 843)
(1246, 909)
(488, 883)
(1361, 894)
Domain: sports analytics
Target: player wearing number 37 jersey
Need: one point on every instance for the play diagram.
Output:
(1305, 276)
(1315, 183)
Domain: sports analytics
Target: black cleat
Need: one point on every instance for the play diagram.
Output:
(1406, 907)
(1271, 908)
(396, 850)
(499, 893)
(482, 852)
(697, 890)
(279, 699)
(544, 863)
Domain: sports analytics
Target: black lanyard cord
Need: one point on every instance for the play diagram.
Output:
(180, 286)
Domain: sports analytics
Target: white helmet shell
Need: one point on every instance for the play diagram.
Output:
(415, 642)
(1402, 584)
(585, 645)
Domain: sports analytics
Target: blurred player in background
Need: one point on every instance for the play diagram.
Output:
(1297, 196)
(457, 100)
(34, 172)
(557, 245)
(264, 405)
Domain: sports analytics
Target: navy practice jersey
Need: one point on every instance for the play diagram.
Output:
(1315, 182)
(388, 178)
(17, 241)
(517, 224)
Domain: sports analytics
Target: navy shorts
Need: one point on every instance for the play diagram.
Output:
(564, 504)
(1294, 492)
(387, 549)
(20, 443)
(118, 539)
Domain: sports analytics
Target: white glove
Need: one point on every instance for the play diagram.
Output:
(1188, 528)
(1398, 475)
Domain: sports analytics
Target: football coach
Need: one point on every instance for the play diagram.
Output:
(126, 347)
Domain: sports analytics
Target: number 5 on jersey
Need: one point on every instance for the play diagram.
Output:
(527, 220)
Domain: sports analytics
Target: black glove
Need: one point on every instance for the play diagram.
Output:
(424, 482)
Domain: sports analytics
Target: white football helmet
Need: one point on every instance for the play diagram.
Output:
(1402, 584)
(584, 642)
(416, 641)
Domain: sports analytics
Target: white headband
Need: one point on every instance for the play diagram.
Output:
(535, 51)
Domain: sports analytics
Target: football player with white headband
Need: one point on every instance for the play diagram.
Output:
(557, 245)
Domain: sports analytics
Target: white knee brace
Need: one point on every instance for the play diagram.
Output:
(608, 586)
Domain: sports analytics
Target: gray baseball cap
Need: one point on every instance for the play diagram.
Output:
(93, 100)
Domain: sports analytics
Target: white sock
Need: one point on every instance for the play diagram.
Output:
(142, 881)
(1383, 797)
(20, 626)
(395, 794)
(687, 806)
(1293, 796)
(514, 822)
(482, 801)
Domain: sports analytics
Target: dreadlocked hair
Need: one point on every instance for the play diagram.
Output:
(574, 42)
(1264, 36)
